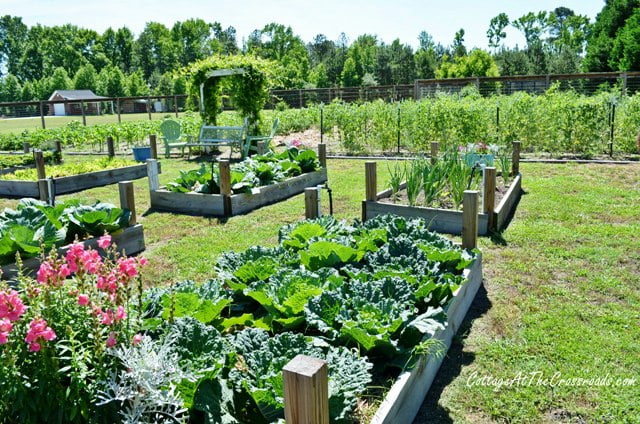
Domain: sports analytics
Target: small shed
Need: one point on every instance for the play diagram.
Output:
(91, 102)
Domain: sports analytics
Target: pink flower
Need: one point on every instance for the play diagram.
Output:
(120, 314)
(136, 339)
(104, 241)
(142, 261)
(107, 283)
(106, 318)
(5, 325)
(83, 299)
(111, 340)
(4, 338)
(127, 266)
(64, 271)
(45, 273)
(11, 305)
(38, 332)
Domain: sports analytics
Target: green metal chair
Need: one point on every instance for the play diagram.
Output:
(171, 135)
(251, 143)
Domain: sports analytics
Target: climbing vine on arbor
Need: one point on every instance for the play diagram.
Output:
(249, 91)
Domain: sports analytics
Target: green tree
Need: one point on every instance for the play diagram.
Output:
(478, 63)
(28, 92)
(60, 80)
(496, 32)
(512, 61)
(532, 25)
(135, 85)
(12, 91)
(13, 36)
(111, 82)
(349, 76)
(155, 50)
(164, 86)
(86, 78)
(458, 47)
(426, 63)
(625, 55)
(318, 76)
(192, 39)
(600, 44)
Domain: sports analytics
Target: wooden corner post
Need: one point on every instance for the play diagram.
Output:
(26, 147)
(152, 174)
(39, 159)
(371, 182)
(306, 391)
(470, 219)
(110, 147)
(489, 195)
(515, 160)
(322, 154)
(225, 185)
(435, 147)
(127, 199)
(153, 143)
(311, 209)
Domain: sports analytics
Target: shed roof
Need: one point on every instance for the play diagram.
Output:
(76, 95)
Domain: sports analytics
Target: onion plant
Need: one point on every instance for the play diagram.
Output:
(434, 178)
(414, 181)
(396, 176)
(504, 160)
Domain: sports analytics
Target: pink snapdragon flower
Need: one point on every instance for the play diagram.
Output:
(5, 328)
(11, 305)
(128, 267)
(50, 274)
(38, 333)
(111, 340)
(136, 339)
(83, 299)
(104, 241)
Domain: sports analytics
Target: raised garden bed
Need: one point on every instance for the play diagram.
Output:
(498, 203)
(230, 204)
(402, 402)
(70, 184)
(130, 241)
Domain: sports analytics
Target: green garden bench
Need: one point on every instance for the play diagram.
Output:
(216, 136)
(171, 135)
(251, 145)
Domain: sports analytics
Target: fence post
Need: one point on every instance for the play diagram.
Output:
(154, 146)
(42, 114)
(118, 107)
(43, 189)
(26, 147)
(149, 107)
(58, 147)
(39, 159)
(152, 174)
(127, 199)
(175, 104)
(84, 114)
(321, 124)
(489, 195)
(470, 219)
(624, 83)
(515, 160)
(225, 185)
(371, 181)
(435, 147)
(311, 203)
(110, 147)
(322, 154)
(306, 391)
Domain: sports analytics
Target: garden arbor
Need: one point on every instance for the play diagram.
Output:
(248, 80)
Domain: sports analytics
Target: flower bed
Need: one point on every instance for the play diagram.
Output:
(70, 178)
(255, 182)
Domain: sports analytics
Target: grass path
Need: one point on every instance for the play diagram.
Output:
(560, 294)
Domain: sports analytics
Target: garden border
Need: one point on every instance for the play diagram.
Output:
(225, 205)
(403, 401)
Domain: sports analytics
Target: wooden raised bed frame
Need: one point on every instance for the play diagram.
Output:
(305, 378)
(227, 204)
(130, 240)
(490, 218)
(47, 188)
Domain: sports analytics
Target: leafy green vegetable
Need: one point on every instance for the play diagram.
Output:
(260, 374)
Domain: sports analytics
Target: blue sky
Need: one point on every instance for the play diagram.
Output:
(389, 19)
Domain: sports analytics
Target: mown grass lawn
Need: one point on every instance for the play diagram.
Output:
(561, 292)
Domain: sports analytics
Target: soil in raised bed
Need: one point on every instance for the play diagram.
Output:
(444, 201)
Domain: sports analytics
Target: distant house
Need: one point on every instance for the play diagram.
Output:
(63, 109)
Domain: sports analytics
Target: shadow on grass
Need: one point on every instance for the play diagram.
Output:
(431, 411)
(220, 220)
(496, 236)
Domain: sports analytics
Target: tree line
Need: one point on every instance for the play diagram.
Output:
(36, 60)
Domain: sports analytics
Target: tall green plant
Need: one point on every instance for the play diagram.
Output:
(414, 181)
(396, 176)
